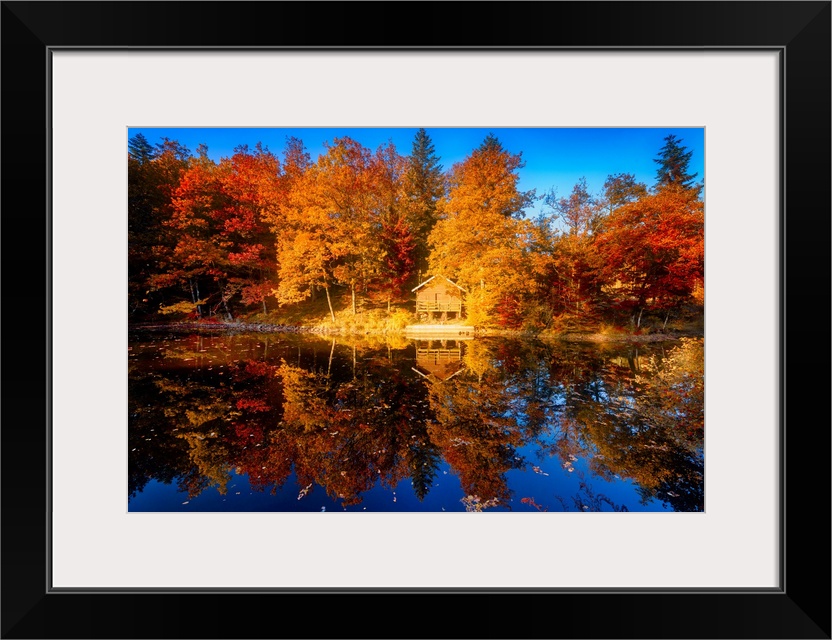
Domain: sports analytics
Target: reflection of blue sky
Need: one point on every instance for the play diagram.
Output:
(555, 157)
(551, 481)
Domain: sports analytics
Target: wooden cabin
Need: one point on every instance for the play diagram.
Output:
(439, 298)
(438, 359)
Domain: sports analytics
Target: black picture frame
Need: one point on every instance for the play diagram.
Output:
(800, 608)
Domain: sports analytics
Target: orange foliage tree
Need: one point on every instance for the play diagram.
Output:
(481, 239)
(653, 251)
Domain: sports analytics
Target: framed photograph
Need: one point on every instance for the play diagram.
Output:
(352, 409)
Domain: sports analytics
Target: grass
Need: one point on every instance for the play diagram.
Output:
(369, 318)
(375, 319)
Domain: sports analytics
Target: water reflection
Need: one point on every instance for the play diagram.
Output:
(483, 424)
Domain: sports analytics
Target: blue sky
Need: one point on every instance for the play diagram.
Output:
(554, 157)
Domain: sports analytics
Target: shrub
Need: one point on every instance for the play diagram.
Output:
(399, 319)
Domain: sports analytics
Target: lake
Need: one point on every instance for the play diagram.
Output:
(300, 423)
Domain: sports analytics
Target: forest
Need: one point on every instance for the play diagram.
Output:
(340, 241)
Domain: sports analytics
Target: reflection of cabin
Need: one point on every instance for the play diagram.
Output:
(439, 298)
(438, 359)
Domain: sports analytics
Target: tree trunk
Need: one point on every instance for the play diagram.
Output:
(329, 302)
(665, 322)
(352, 290)
(638, 322)
(265, 311)
(195, 286)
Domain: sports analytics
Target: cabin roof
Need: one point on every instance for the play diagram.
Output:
(432, 277)
(433, 377)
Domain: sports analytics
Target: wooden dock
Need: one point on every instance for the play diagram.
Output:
(440, 331)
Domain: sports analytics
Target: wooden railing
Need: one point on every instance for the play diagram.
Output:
(440, 355)
(423, 305)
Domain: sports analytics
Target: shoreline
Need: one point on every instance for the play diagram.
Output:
(256, 327)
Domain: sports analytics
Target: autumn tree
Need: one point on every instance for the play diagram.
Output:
(652, 251)
(481, 238)
(397, 226)
(249, 182)
(567, 261)
(577, 212)
(153, 174)
(223, 246)
(331, 235)
(195, 259)
(619, 189)
(303, 229)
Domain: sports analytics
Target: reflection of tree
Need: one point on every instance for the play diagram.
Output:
(351, 434)
(347, 418)
(650, 430)
(153, 454)
(195, 428)
(184, 411)
(587, 499)
(675, 396)
(209, 458)
(474, 428)
(258, 450)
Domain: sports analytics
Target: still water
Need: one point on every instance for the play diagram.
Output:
(296, 423)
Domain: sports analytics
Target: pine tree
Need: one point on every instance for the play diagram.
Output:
(140, 149)
(673, 162)
(424, 186)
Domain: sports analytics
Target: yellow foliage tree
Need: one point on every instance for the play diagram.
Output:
(481, 239)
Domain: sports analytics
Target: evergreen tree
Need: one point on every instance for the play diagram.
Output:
(424, 186)
(140, 149)
(673, 162)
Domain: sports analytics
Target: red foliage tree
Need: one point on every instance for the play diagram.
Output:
(653, 250)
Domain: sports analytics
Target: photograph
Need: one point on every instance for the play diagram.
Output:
(273, 261)
(416, 319)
